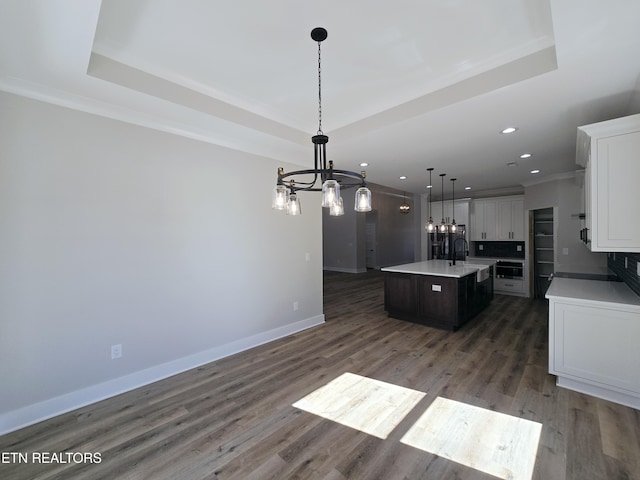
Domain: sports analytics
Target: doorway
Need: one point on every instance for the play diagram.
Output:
(543, 250)
(371, 227)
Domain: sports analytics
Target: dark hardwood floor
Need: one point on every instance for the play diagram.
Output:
(234, 419)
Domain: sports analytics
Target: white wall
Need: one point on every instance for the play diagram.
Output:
(396, 236)
(116, 234)
(395, 232)
(344, 238)
(566, 195)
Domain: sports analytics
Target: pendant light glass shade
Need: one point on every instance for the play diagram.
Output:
(330, 193)
(280, 197)
(293, 206)
(429, 227)
(363, 200)
(337, 209)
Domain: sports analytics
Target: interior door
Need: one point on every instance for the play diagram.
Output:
(371, 260)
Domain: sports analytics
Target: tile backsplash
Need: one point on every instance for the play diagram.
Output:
(629, 275)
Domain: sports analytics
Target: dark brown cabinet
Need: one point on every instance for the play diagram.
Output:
(436, 301)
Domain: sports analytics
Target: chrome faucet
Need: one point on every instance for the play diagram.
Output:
(465, 246)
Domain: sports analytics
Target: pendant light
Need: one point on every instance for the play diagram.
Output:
(331, 180)
(453, 206)
(429, 227)
(443, 225)
(404, 206)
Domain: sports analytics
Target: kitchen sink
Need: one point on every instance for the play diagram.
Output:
(482, 273)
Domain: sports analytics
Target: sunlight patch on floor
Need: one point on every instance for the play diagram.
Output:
(368, 405)
(492, 442)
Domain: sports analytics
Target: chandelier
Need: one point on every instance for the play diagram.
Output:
(404, 206)
(322, 177)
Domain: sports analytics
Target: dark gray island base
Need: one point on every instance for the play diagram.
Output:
(446, 296)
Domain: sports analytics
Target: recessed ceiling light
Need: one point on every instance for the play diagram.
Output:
(403, 177)
(467, 188)
(535, 171)
(429, 186)
(525, 155)
(509, 130)
(364, 164)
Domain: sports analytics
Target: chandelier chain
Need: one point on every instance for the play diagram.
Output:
(319, 92)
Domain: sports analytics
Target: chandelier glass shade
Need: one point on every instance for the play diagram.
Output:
(337, 209)
(322, 177)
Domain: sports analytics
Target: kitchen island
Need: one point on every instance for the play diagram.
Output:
(437, 293)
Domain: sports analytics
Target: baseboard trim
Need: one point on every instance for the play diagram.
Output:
(625, 399)
(345, 270)
(37, 412)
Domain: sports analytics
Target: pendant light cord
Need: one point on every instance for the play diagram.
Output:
(442, 188)
(319, 91)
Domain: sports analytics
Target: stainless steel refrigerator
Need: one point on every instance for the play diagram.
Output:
(444, 243)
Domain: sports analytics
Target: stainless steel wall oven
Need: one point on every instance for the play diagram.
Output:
(509, 269)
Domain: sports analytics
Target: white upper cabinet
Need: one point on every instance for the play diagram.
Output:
(511, 219)
(499, 218)
(461, 212)
(610, 153)
(484, 220)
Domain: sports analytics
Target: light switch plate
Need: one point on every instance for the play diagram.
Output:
(481, 247)
(565, 251)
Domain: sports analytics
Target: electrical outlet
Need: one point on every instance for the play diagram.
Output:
(116, 351)
(565, 251)
(295, 306)
(307, 257)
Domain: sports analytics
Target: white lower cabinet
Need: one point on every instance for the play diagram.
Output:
(595, 350)
(506, 285)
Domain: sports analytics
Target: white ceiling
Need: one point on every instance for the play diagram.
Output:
(406, 85)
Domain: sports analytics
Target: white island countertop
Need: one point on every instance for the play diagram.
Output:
(441, 268)
(594, 292)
